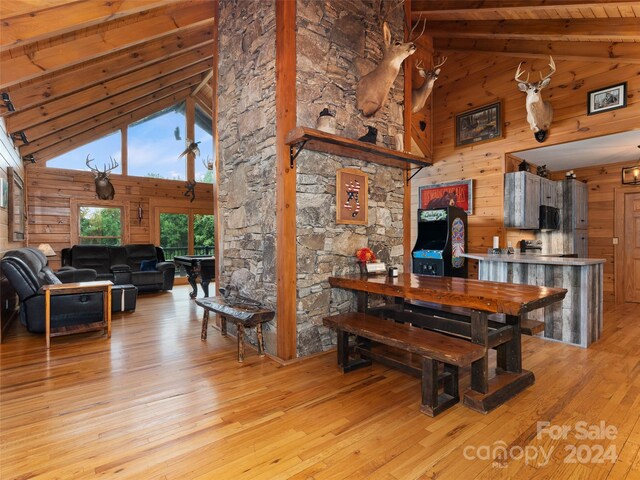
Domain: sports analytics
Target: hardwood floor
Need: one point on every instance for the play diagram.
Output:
(155, 402)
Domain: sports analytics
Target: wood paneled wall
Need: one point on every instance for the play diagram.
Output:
(8, 158)
(53, 191)
(602, 183)
(472, 80)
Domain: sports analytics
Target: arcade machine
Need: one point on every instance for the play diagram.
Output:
(442, 238)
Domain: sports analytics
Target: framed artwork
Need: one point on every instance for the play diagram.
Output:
(4, 193)
(352, 192)
(479, 125)
(452, 194)
(608, 98)
(16, 199)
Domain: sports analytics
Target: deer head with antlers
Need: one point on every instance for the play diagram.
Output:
(539, 112)
(420, 95)
(104, 189)
(372, 89)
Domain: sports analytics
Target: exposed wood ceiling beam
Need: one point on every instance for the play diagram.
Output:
(610, 29)
(430, 5)
(498, 9)
(104, 129)
(582, 51)
(161, 73)
(56, 85)
(117, 105)
(204, 82)
(21, 64)
(31, 26)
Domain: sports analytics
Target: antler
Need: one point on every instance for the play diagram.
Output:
(384, 10)
(208, 163)
(552, 65)
(112, 165)
(88, 161)
(419, 65)
(519, 74)
(424, 26)
(444, 59)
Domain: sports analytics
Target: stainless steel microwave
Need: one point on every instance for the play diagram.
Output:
(549, 218)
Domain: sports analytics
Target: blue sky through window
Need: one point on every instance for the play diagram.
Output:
(99, 150)
(154, 145)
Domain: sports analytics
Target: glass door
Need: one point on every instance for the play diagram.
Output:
(184, 231)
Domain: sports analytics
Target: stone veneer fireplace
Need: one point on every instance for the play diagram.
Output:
(337, 42)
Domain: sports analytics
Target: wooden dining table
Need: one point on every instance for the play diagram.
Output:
(486, 313)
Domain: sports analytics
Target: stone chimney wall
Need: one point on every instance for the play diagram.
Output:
(247, 139)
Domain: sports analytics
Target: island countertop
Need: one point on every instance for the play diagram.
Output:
(535, 259)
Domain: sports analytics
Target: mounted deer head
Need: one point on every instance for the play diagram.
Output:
(420, 95)
(104, 189)
(539, 112)
(372, 89)
(208, 163)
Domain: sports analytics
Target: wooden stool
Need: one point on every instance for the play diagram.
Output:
(244, 316)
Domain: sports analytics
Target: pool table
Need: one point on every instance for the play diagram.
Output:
(203, 265)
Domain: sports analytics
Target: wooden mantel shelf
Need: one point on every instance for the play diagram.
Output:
(303, 137)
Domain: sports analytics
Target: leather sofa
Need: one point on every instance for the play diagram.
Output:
(141, 265)
(27, 271)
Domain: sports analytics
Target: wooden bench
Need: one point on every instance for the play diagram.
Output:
(432, 347)
(244, 316)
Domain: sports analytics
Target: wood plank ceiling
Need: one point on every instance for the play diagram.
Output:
(590, 31)
(77, 70)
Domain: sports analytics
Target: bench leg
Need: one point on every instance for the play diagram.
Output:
(432, 402)
(240, 342)
(223, 325)
(260, 340)
(343, 354)
(205, 324)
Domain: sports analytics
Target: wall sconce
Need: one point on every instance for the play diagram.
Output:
(139, 213)
(20, 136)
(7, 102)
(631, 175)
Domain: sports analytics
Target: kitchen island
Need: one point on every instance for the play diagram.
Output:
(576, 320)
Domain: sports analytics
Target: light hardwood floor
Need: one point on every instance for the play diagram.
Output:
(156, 402)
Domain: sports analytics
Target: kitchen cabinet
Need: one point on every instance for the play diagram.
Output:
(522, 200)
(575, 204)
(580, 243)
(549, 193)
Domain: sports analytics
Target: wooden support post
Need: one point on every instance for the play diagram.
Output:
(285, 179)
(406, 204)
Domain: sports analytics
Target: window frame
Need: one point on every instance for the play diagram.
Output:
(75, 217)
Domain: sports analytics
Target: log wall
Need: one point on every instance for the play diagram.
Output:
(53, 192)
(472, 80)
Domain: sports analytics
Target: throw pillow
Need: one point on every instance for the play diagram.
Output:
(148, 265)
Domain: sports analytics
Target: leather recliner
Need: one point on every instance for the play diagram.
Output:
(27, 271)
(124, 264)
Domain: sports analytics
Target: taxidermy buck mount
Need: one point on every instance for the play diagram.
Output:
(539, 112)
(372, 89)
(104, 189)
(419, 96)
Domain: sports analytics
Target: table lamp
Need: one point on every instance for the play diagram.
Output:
(47, 249)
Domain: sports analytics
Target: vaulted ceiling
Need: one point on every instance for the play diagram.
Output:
(75, 70)
(597, 30)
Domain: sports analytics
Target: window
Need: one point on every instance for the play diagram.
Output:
(100, 226)
(100, 150)
(154, 144)
(203, 134)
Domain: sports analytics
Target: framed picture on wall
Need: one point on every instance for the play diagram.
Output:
(479, 125)
(352, 191)
(608, 98)
(16, 199)
(452, 194)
